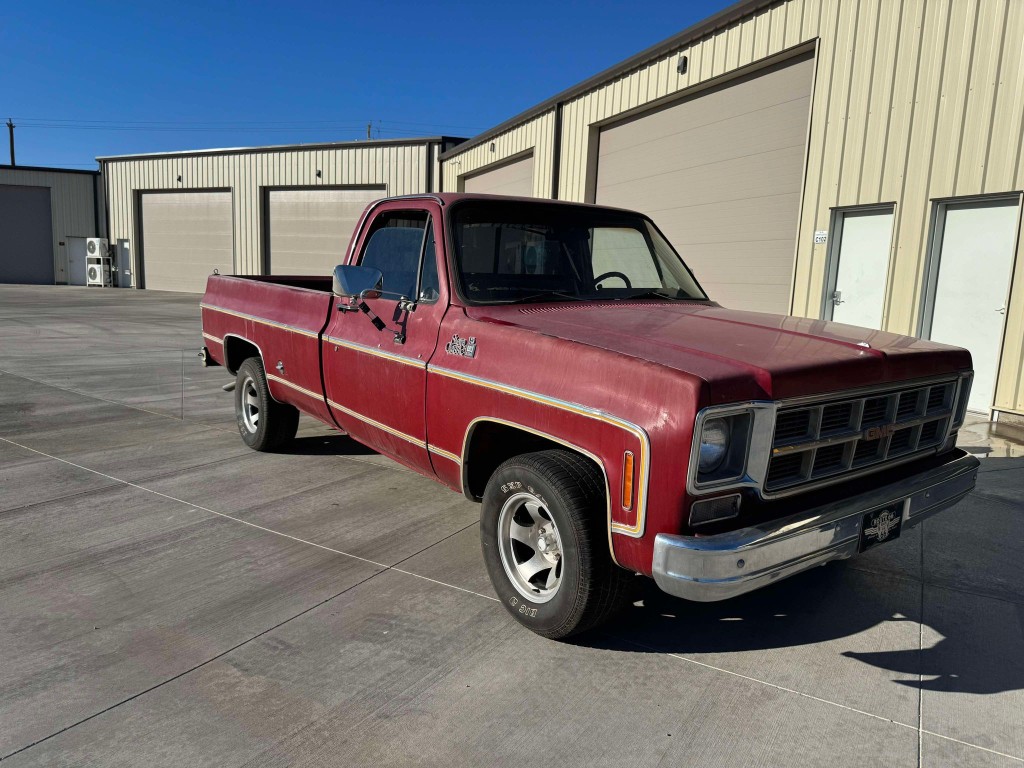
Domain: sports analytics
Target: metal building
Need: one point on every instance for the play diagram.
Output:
(177, 217)
(856, 161)
(46, 214)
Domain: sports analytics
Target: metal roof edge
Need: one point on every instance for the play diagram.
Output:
(417, 141)
(44, 168)
(723, 18)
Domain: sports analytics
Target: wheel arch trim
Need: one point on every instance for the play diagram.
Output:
(471, 428)
(635, 531)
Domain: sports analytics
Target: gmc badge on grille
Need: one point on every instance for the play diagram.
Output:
(877, 433)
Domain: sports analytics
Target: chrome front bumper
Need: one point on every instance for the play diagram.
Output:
(718, 567)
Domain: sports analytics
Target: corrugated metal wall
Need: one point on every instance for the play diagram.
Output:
(71, 207)
(402, 168)
(537, 134)
(913, 101)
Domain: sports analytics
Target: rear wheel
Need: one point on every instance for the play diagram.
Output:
(263, 423)
(543, 535)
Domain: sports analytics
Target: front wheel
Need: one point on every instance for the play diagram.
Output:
(263, 423)
(543, 535)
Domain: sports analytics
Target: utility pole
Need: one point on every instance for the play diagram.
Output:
(10, 130)
(369, 126)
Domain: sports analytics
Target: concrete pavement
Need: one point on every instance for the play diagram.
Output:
(169, 597)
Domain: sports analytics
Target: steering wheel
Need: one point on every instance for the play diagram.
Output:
(606, 275)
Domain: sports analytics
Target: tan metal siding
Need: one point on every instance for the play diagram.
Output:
(536, 135)
(759, 36)
(185, 237)
(913, 101)
(71, 206)
(515, 178)
(399, 169)
(721, 176)
(309, 229)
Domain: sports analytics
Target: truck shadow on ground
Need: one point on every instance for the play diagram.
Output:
(821, 607)
(329, 444)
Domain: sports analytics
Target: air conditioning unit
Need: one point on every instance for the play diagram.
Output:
(97, 246)
(97, 262)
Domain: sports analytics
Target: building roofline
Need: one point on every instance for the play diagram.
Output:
(417, 141)
(44, 168)
(723, 18)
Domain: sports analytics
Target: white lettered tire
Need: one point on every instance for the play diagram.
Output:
(544, 541)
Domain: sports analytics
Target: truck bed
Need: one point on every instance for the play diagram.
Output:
(279, 318)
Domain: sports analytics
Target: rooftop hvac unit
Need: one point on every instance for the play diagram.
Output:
(97, 262)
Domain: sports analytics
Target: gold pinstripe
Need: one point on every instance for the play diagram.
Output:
(375, 352)
(211, 337)
(365, 419)
(263, 320)
(634, 531)
(296, 387)
(445, 454)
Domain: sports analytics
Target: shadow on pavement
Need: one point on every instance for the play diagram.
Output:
(821, 606)
(327, 445)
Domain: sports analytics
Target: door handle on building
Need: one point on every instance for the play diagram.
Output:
(837, 297)
(1002, 310)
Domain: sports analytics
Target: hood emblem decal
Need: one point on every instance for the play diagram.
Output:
(461, 347)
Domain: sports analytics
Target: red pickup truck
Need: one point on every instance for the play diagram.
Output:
(560, 364)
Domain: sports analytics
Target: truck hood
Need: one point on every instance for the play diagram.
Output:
(740, 355)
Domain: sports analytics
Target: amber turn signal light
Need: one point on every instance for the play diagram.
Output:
(627, 480)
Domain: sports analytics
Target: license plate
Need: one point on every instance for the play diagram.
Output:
(881, 525)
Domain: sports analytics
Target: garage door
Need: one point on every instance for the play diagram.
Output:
(185, 236)
(511, 179)
(309, 229)
(721, 175)
(26, 235)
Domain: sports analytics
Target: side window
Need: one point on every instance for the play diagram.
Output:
(394, 247)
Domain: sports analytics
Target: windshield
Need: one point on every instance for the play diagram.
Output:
(515, 253)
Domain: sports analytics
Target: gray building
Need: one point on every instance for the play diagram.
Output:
(46, 214)
(178, 216)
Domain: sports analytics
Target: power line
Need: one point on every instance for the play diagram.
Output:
(54, 122)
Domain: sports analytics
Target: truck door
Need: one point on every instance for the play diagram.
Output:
(375, 380)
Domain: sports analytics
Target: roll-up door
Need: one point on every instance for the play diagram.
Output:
(185, 236)
(514, 178)
(309, 229)
(721, 174)
(26, 235)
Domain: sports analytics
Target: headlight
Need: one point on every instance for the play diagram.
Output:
(714, 445)
(731, 447)
(721, 443)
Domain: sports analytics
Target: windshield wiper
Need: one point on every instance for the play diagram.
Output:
(545, 296)
(659, 293)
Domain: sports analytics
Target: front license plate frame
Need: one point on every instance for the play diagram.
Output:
(881, 525)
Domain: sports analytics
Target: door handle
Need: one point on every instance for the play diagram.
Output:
(1002, 310)
(837, 297)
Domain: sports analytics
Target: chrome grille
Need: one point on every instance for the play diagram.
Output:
(839, 435)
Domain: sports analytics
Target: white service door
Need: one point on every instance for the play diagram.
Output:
(975, 261)
(76, 260)
(865, 240)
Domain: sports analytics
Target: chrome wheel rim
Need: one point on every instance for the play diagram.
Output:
(250, 406)
(530, 546)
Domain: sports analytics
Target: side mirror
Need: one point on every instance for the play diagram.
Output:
(352, 282)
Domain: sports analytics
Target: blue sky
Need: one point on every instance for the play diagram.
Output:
(84, 79)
